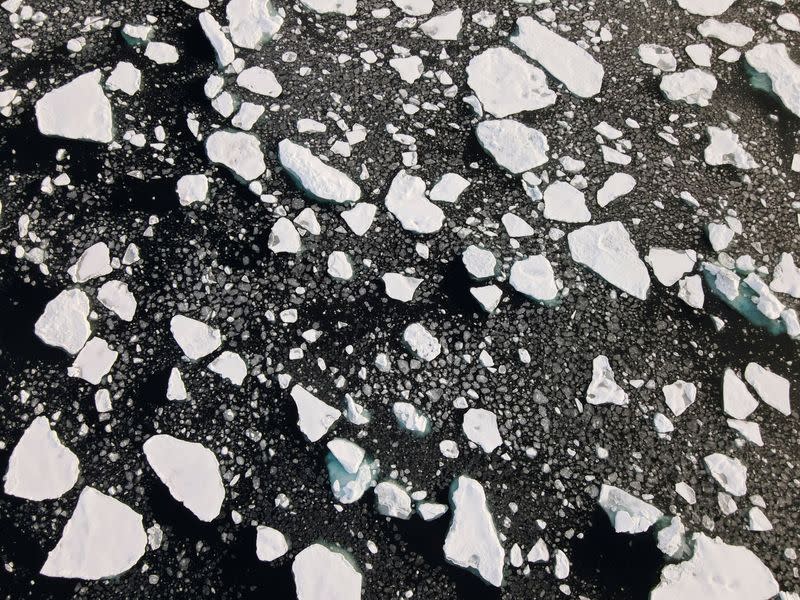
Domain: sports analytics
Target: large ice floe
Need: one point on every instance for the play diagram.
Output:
(773, 70)
(78, 110)
(322, 573)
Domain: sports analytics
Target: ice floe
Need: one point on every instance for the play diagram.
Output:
(775, 71)
(724, 148)
(407, 202)
(563, 202)
(694, 86)
(670, 265)
(259, 81)
(771, 387)
(616, 186)
(534, 277)
(195, 338)
(480, 427)
(627, 513)
(392, 501)
(603, 389)
(318, 180)
(314, 417)
(77, 110)
(271, 544)
(238, 151)
(514, 146)
(322, 573)
(252, 22)
(729, 472)
(94, 361)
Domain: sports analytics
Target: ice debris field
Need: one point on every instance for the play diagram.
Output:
(366, 299)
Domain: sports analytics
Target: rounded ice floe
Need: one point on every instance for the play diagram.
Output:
(534, 278)
(657, 56)
(616, 186)
(421, 342)
(410, 418)
(480, 427)
(191, 189)
(103, 538)
(716, 571)
(773, 63)
(94, 361)
(238, 151)
(321, 573)
(231, 366)
(161, 53)
(314, 417)
(190, 471)
(125, 77)
(252, 22)
(400, 287)
(445, 26)
(315, 178)
(563, 202)
(94, 262)
(694, 86)
(116, 297)
(771, 387)
(514, 146)
(64, 322)
(359, 218)
(78, 110)
(507, 84)
(259, 81)
(670, 265)
(679, 396)
(430, 511)
(603, 389)
(40, 466)
(283, 237)
(195, 338)
(480, 263)
(271, 544)
(706, 8)
(786, 277)
(407, 202)
(392, 501)
(729, 472)
(472, 541)
(566, 61)
(339, 266)
(627, 513)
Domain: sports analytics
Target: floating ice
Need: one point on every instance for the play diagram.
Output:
(407, 202)
(349, 487)
(488, 296)
(190, 471)
(410, 418)
(562, 202)
(325, 574)
(284, 237)
(774, 71)
(786, 277)
(175, 388)
(125, 77)
(657, 56)
(748, 430)
(729, 472)
(359, 218)
(349, 455)
(195, 338)
(616, 186)
(400, 287)
(603, 389)
(538, 552)
(259, 81)
(724, 149)
(64, 322)
(103, 538)
(679, 396)
(757, 520)
(392, 501)
(94, 361)
(514, 146)
(566, 61)
(672, 539)
(40, 466)
(231, 366)
(271, 544)
(445, 26)
(506, 83)
(627, 513)
(608, 251)
(252, 22)
(733, 34)
(222, 46)
(772, 388)
(700, 54)
(690, 290)
(317, 179)
(314, 417)
(191, 189)
(240, 152)
(94, 262)
(409, 67)
(161, 53)
(706, 8)
(515, 226)
(472, 541)
(480, 427)
(737, 400)
(414, 8)
(421, 342)
(670, 265)
(78, 110)
(448, 188)
(481, 264)
(694, 86)
(533, 277)
(430, 511)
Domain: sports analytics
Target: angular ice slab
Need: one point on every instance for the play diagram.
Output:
(773, 70)
(320, 181)
(78, 110)
(514, 146)
(64, 322)
(321, 573)
(472, 541)
(627, 513)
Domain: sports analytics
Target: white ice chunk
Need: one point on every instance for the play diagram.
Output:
(78, 110)
(407, 202)
(64, 322)
(94, 262)
(430, 511)
(125, 77)
(414, 8)
(448, 188)
(401, 287)
(314, 417)
(176, 390)
(195, 338)
(514, 146)
(161, 53)
(777, 73)
(324, 574)
(733, 34)
(534, 277)
(481, 264)
(116, 297)
(603, 389)
(657, 56)
(616, 186)
(729, 472)
(679, 396)
(339, 266)
(694, 86)
(94, 361)
(231, 366)
(191, 189)
(252, 22)
(445, 26)
(410, 418)
(238, 151)
(259, 81)
(359, 218)
(409, 67)
(271, 544)
(349, 455)
(737, 400)
(706, 8)
(562, 202)
(284, 237)
(690, 290)
(786, 277)
(422, 343)
(392, 501)
(724, 149)
(480, 427)
(488, 296)
(219, 41)
(670, 265)
(771, 387)
(317, 179)
(626, 512)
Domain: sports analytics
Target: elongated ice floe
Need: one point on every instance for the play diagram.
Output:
(195, 338)
(40, 466)
(317, 179)
(94, 361)
(190, 471)
(217, 38)
(608, 251)
(737, 400)
(340, 7)
(103, 538)
(566, 61)
(771, 387)
(774, 71)
(729, 472)
(472, 541)
(77, 110)
(513, 146)
(694, 86)
(616, 186)
(259, 81)
(627, 513)
(94, 262)
(322, 573)
(506, 83)
(64, 322)
(252, 22)
(407, 202)
(716, 571)
(314, 417)
(238, 151)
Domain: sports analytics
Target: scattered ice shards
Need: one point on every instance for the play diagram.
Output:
(448, 188)
(191, 189)
(392, 501)
(737, 400)
(195, 338)
(445, 26)
(716, 571)
(507, 84)
(773, 70)
(94, 262)
(603, 389)
(78, 110)
(786, 277)
(314, 417)
(176, 390)
(480, 263)
(231, 366)
(480, 427)
(472, 541)
(315, 178)
(679, 396)
(729, 472)
(706, 8)
(771, 387)
(724, 149)
(608, 251)
(563, 202)
(271, 544)
(400, 287)
(359, 218)
(64, 322)
(125, 77)
(252, 22)
(409, 67)
(733, 34)
(238, 151)
(694, 86)
(321, 573)
(161, 53)
(514, 146)
(534, 277)
(407, 202)
(259, 81)
(94, 361)
(421, 342)
(670, 265)
(690, 290)
(284, 237)
(40, 466)
(616, 186)
(657, 56)
(103, 538)
(190, 471)
(566, 61)
(219, 41)
(627, 513)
